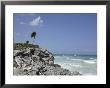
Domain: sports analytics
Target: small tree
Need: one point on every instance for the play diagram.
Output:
(27, 42)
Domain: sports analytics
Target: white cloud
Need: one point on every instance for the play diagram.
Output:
(37, 21)
(22, 23)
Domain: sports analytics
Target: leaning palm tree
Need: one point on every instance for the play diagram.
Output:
(33, 35)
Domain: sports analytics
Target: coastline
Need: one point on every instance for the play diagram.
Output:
(29, 60)
(37, 61)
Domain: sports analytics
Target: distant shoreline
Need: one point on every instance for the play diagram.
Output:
(77, 54)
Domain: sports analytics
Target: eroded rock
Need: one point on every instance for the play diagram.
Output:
(37, 61)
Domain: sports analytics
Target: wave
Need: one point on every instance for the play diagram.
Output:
(75, 59)
(61, 57)
(90, 61)
(75, 65)
(86, 67)
(91, 58)
(70, 64)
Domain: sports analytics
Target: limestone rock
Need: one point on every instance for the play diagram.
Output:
(37, 61)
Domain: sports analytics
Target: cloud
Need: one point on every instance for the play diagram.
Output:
(22, 23)
(37, 21)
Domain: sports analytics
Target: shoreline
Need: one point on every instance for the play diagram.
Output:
(37, 61)
(28, 61)
(84, 66)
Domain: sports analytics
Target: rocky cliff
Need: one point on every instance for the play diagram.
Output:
(37, 61)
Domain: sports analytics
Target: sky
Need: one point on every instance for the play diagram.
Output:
(69, 33)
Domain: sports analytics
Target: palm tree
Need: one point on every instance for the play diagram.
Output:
(33, 35)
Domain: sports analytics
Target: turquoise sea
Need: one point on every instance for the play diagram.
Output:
(85, 64)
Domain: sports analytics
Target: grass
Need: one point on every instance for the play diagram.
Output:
(18, 46)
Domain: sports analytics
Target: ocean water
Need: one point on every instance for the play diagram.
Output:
(85, 64)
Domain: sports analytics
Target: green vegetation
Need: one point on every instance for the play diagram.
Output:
(25, 45)
(18, 46)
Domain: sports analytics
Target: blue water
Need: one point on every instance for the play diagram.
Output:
(85, 64)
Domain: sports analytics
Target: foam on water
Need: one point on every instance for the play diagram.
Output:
(90, 61)
(91, 58)
(84, 64)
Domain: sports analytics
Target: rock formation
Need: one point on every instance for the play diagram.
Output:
(37, 61)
